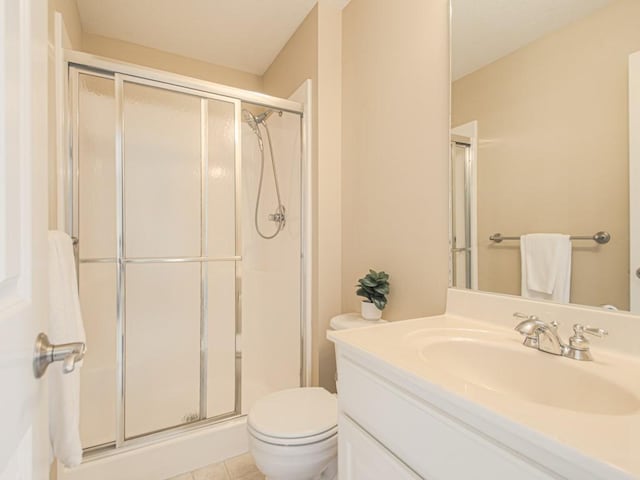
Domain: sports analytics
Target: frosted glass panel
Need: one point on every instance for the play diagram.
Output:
(162, 347)
(162, 172)
(221, 179)
(97, 288)
(96, 163)
(222, 328)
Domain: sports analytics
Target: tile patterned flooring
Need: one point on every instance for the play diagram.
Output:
(236, 468)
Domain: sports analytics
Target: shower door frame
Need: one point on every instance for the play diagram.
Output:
(75, 63)
(466, 135)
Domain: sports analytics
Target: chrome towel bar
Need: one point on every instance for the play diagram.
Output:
(598, 237)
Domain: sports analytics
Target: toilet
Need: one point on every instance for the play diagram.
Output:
(293, 434)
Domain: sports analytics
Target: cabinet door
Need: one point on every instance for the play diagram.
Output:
(429, 442)
(361, 457)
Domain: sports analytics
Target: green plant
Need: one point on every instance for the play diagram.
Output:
(374, 286)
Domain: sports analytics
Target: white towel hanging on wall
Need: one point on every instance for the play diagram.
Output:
(546, 266)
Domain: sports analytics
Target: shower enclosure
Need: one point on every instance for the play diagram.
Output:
(190, 314)
(460, 262)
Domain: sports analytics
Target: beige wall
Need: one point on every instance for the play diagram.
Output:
(69, 11)
(328, 264)
(150, 57)
(553, 150)
(395, 151)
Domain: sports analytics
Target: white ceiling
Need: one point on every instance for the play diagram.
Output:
(249, 34)
(242, 34)
(485, 30)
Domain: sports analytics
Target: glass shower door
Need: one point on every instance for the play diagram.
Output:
(161, 225)
(460, 216)
(155, 210)
(94, 156)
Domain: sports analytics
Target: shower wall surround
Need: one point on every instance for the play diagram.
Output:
(271, 294)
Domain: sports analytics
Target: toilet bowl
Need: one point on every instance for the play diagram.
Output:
(293, 434)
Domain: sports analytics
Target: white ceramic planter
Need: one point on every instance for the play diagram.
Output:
(369, 311)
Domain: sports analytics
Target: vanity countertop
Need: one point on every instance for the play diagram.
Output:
(601, 435)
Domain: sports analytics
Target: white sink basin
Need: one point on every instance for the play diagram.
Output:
(501, 364)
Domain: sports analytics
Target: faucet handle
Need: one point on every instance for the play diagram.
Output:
(597, 332)
(525, 316)
(578, 348)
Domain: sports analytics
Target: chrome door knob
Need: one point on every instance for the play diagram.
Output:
(45, 353)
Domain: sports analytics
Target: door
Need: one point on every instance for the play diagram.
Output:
(23, 223)
(634, 181)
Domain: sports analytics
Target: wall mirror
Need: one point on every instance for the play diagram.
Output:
(540, 140)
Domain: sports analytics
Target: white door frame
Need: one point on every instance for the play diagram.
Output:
(634, 182)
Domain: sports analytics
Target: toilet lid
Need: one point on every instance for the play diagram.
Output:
(295, 414)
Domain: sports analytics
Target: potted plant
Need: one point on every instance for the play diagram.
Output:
(374, 287)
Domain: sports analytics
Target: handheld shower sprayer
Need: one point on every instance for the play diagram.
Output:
(279, 217)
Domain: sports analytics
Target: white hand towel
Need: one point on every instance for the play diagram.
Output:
(546, 266)
(65, 326)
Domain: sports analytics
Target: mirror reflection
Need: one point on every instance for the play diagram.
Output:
(540, 144)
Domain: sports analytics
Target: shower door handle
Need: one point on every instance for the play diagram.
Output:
(75, 242)
(46, 353)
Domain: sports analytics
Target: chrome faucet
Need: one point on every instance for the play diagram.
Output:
(539, 334)
(545, 337)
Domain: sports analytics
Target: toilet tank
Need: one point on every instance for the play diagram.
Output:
(346, 321)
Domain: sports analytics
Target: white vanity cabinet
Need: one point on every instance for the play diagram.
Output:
(388, 433)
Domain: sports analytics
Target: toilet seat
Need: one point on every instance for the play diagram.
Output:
(292, 442)
(297, 416)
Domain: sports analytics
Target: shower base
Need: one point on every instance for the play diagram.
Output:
(166, 458)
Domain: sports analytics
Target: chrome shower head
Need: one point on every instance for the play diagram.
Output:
(255, 120)
(263, 116)
(252, 121)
